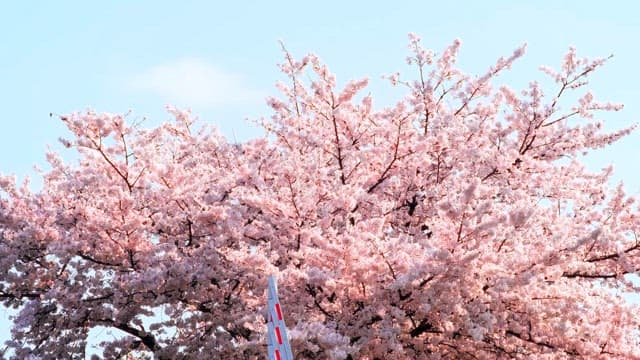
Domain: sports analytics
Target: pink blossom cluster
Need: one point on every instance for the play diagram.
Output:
(457, 223)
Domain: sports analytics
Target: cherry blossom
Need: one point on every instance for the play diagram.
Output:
(457, 223)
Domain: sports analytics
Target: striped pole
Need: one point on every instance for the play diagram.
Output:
(278, 347)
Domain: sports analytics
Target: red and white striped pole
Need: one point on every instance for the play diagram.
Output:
(278, 347)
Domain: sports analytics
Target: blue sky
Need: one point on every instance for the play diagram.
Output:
(219, 58)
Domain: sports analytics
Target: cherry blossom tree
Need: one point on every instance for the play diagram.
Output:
(457, 223)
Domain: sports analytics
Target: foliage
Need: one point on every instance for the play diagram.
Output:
(458, 223)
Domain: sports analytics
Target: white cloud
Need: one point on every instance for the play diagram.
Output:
(195, 82)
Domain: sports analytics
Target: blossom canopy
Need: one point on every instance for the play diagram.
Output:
(457, 223)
